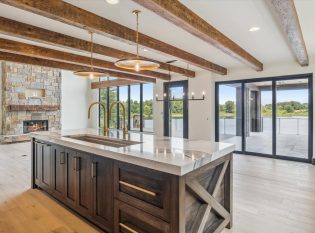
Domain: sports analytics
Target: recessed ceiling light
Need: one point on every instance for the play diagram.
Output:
(254, 29)
(145, 50)
(113, 2)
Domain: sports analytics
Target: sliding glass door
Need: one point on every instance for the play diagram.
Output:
(292, 118)
(269, 117)
(258, 117)
(230, 114)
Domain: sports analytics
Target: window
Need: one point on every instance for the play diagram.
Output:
(135, 107)
(123, 97)
(269, 116)
(103, 99)
(148, 107)
(114, 114)
(138, 102)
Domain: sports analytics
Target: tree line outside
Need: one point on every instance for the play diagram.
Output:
(134, 107)
(284, 109)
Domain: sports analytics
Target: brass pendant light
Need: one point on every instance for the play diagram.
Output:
(137, 63)
(91, 73)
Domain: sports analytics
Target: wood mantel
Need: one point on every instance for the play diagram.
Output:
(12, 108)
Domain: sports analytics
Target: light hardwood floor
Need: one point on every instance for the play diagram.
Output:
(270, 196)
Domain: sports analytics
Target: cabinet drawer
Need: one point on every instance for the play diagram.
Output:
(143, 188)
(131, 220)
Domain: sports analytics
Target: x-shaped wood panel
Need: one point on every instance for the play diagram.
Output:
(210, 202)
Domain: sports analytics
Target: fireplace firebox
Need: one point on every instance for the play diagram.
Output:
(35, 125)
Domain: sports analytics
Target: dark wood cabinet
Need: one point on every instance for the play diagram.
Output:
(102, 184)
(37, 147)
(119, 197)
(83, 184)
(89, 184)
(78, 181)
(143, 188)
(43, 166)
(129, 219)
(58, 187)
(70, 180)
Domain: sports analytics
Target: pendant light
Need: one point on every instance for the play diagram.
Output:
(137, 63)
(91, 73)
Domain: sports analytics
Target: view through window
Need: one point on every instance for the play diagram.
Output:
(266, 117)
(138, 102)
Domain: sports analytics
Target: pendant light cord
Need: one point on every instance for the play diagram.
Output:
(91, 50)
(136, 12)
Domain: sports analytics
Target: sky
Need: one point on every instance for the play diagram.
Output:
(229, 93)
(135, 92)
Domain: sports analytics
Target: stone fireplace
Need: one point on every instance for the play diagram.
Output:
(30, 100)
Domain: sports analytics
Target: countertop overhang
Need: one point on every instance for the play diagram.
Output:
(172, 155)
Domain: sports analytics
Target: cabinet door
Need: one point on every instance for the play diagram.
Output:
(71, 163)
(102, 183)
(144, 188)
(129, 219)
(83, 183)
(58, 172)
(46, 172)
(37, 162)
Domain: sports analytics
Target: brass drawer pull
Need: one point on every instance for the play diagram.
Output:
(137, 188)
(127, 228)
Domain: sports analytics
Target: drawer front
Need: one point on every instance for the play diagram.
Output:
(143, 188)
(131, 220)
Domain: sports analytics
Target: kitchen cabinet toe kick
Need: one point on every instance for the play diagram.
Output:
(127, 198)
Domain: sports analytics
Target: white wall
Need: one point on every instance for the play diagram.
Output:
(75, 94)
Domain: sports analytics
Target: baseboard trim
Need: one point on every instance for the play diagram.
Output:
(313, 161)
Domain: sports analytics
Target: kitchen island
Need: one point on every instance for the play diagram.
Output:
(138, 183)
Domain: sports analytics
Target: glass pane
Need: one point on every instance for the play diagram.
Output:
(135, 107)
(258, 117)
(292, 118)
(148, 107)
(176, 122)
(103, 99)
(123, 97)
(230, 114)
(112, 99)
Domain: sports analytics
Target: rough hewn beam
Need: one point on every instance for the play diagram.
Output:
(112, 83)
(285, 13)
(51, 54)
(67, 66)
(11, 108)
(75, 16)
(183, 17)
(26, 31)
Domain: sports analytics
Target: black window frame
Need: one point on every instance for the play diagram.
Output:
(273, 79)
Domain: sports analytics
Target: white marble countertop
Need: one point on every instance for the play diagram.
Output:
(171, 155)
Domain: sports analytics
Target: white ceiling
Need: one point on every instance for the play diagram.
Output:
(232, 17)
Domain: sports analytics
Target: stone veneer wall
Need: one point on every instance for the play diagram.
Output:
(16, 78)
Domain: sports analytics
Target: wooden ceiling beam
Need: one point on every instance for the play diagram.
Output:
(287, 17)
(68, 66)
(29, 32)
(180, 15)
(112, 83)
(75, 16)
(51, 54)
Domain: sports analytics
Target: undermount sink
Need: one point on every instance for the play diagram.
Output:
(103, 140)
